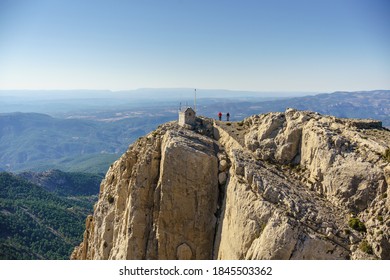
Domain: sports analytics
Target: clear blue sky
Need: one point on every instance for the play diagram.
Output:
(262, 45)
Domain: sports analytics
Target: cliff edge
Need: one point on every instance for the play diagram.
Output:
(292, 185)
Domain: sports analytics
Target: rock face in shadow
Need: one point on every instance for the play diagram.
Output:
(292, 185)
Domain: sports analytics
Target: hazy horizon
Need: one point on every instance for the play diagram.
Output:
(169, 93)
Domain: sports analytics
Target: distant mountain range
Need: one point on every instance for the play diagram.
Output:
(58, 102)
(364, 104)
(90, 140)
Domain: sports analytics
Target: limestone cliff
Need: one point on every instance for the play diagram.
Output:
(292, 185)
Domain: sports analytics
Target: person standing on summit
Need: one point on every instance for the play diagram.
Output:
(227, 116)
(219, 115)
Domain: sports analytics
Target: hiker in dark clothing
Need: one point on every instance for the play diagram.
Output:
(227, 116)
(220, 115)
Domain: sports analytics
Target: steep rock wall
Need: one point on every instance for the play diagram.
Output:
(155, 202)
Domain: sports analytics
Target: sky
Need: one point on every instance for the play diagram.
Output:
(258, 45)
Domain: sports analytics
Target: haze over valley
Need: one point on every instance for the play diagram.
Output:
(87, 131)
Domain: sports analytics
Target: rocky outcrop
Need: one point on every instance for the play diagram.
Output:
(334, 158)
(338, 160)
(292, 185)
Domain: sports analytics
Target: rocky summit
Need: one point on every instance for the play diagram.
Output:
(292, 185)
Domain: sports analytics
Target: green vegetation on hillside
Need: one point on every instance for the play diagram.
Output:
(387, 155)
(356, 224)
(365, 247)
(37, 224)
(66, 183)
(90, 163)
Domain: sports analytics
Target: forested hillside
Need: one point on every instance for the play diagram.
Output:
(65, 183)
(37, 224)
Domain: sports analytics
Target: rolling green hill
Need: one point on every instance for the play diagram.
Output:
(65, 183)
(38, 224)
